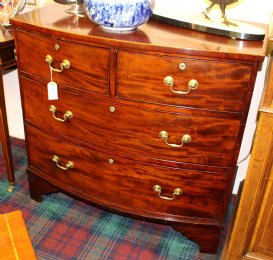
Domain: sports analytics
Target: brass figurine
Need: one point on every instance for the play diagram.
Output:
(222, 4)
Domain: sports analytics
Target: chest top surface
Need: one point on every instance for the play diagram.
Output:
(151, 36)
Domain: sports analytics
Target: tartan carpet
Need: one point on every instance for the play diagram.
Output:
(64, 228)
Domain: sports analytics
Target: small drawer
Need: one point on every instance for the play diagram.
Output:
(182, 81)
(167, 136)
(88, 66)
(125, 184)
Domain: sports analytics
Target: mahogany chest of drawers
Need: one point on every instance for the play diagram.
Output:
(148, 124)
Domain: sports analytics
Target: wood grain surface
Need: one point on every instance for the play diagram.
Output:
(120, 104)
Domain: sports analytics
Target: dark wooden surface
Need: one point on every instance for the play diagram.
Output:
(126, 72)
(81, 58)
(127, 185)
(221, 85)
(7, 60)
(145, 140)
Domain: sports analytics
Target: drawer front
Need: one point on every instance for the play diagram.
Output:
(89, 66)
(125, 184)
(134, 130)
(221, 86)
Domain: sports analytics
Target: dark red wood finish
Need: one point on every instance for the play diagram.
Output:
(81, 57)
(129, 135)
(7, 60)
(120, 104)
(222, 85)
(127, 185)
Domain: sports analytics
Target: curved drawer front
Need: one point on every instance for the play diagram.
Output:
(134, 130)
(88, 65)
(221, 86)
(125, 184)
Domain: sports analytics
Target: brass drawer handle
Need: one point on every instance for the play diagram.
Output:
(192, 84)
(67, 115)
(64, 65)
(184, 140)
(176, 192)
(68, 166)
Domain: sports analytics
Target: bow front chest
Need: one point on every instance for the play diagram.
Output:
(148, 124)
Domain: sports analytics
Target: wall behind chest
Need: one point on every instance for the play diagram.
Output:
(13, 104)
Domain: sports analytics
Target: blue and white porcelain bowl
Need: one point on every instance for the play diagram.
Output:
(119, 15)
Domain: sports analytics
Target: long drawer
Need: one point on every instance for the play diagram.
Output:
(126, 184)
(220, 85)
(106, 125)
(89, 66)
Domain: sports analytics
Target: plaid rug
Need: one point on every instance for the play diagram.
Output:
(64, 228)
